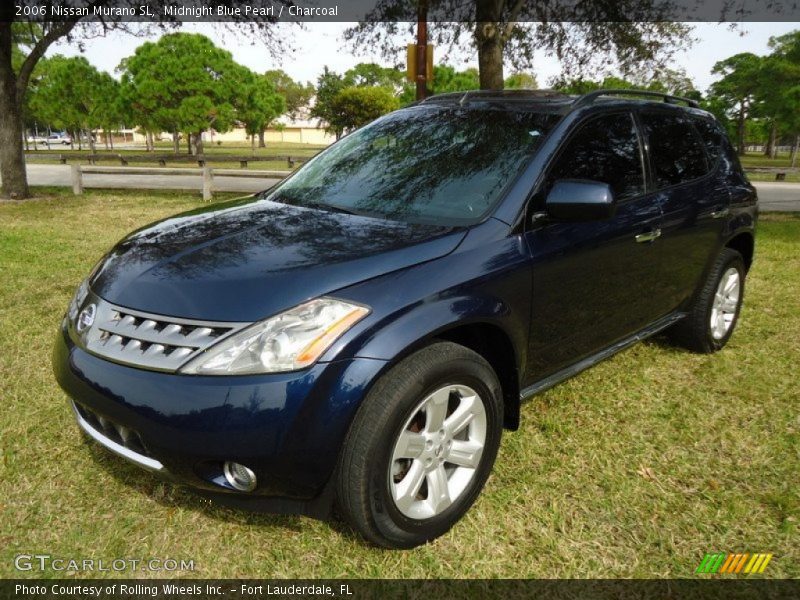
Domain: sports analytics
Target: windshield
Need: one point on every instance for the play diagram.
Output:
(430, 165)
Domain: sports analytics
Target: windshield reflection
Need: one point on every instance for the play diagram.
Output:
(433, 165)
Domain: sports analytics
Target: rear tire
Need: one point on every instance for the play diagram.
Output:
(715, 310)
(421, 446)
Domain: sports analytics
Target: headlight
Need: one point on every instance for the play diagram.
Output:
(286, 342)
(78, 299)
(80, 294)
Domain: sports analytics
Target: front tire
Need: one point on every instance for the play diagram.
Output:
(421, 446)
(715, 310)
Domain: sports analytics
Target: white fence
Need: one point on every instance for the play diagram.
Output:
(207, 174)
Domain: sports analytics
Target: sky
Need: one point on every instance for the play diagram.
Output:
(321, 44)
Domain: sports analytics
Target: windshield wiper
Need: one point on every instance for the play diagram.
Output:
(329, 207)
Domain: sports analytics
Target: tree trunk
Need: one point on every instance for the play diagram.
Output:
(149, 142)
(261, 142)
(111, 140)
(105, 139)
(490, 58)
(740, 130)
(795, 150)
(176, 142)
(77, 134)
(771, 150)
(188, 143)
(253, 144)
(90, 138)
(198, 143)
(12, 154)
(489, 40)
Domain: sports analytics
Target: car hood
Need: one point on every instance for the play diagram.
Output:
(253, 258)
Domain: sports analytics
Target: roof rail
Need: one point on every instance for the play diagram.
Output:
(468, 96)
(589, 98)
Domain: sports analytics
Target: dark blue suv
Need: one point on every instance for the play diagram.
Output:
(359, 336)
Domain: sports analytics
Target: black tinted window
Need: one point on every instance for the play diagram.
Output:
(676, 153)
(713, 137)
(604, 149)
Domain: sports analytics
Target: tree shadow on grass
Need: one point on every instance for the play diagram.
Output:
(173, 495)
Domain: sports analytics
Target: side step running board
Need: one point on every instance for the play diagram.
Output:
(592, 360)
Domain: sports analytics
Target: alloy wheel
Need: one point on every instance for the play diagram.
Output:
(725, 304)
(438, 451)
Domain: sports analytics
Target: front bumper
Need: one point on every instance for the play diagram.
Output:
(287, 427)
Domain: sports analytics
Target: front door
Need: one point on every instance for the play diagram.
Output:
(593, 280)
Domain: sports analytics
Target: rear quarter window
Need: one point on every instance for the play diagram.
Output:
(677, 154)
(713, 137)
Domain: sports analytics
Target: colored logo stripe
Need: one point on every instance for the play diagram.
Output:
(720, 562)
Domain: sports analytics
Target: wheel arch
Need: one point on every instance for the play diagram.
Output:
(744, 244)
(495, 346)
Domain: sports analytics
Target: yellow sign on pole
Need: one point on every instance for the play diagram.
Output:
(411, 62)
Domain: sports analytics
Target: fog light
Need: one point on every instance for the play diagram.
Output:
(239, 476)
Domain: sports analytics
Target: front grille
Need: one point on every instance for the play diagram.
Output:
(147, 340)
(119, 434)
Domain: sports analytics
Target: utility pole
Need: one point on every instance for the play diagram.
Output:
(422, 49)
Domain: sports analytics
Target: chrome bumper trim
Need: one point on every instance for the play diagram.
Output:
(143, 461)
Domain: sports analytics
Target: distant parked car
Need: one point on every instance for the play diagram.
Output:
(52, 139)
(59, 138)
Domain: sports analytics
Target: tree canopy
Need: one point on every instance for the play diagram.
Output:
(182, 83)
(72, 94)
(585, 37)
(257, 103)
(296, 95)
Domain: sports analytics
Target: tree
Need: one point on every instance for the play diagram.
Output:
(257, 104)
(339, 113)
(737, 89)
(521, 81)
(297, 96)
(24, 43)
(374, 75)
(71, 94)
(353, 107)
(445, 80)
(182, 83)
(584, 36)
(667, 81)
(329, 84)
(782, 76)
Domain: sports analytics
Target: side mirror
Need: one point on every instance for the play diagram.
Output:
(580, 200)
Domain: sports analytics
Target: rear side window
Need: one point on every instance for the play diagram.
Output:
(713, 138)
(676, 152)
(605, 149)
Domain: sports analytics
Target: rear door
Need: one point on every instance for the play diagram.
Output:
(592, 280)
(693, 199)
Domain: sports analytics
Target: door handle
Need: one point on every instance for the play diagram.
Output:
(650, 236)
(718, 214)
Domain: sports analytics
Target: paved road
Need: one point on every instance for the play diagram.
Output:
(773, 196)
(778, 196)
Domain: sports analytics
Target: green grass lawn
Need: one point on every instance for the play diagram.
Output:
(635, 468)
(759, 161)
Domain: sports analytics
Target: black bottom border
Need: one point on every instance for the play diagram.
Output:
(433, 589)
